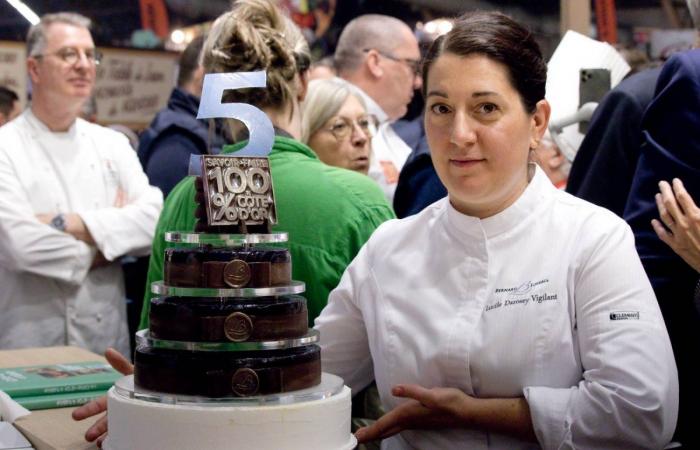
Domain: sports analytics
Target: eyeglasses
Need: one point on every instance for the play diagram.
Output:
(342, 127)
(413, 64)
(70, 55)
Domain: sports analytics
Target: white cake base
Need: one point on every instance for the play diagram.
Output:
(312, 425)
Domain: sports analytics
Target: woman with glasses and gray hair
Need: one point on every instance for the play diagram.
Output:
(336, 125)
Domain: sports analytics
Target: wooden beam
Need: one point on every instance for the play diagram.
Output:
(575, 15)
(671, 13)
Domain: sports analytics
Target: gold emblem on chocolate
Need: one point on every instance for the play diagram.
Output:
(238, 327)
(237, 273)
(245, 382)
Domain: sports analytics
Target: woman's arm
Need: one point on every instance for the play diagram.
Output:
(628, 393)
(451, 408)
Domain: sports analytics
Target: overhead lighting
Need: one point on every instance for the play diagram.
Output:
(25, 10)
(178, 36)
(438, 27)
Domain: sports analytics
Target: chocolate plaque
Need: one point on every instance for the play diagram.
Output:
(245, 382)
(238, 190)
(236, 273)
(238, 327)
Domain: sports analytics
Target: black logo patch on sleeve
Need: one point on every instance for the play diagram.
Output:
(624, 315)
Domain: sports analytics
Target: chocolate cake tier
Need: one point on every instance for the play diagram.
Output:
(227, 374)
(255, 267)
(235, 319)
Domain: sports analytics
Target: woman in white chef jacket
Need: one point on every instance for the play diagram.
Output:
(510, 314)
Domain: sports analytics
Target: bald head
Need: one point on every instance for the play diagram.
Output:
(369, 31)
(380, 55)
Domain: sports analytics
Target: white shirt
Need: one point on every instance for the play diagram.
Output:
(389, 151)
(546, 300)
(49, 295)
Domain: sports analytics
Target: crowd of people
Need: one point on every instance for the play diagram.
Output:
(498, 311)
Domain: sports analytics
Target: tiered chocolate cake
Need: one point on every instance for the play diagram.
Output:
(228, 322)
(229, 359)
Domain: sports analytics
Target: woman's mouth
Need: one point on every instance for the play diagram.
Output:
(465, 163)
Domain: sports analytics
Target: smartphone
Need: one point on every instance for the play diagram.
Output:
(594, 84)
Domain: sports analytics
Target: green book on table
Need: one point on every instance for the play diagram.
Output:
(57, 378)
(63, 400)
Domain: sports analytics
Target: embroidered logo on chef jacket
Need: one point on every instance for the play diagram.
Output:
(527, 293)
(624, 315)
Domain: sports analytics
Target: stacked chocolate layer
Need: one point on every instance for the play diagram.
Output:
(228, 268)
(223, 320)
(226, 374)
(210, 366)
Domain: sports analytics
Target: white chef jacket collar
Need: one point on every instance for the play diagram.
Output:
(40, 126)
(372, 106)
(532, 197)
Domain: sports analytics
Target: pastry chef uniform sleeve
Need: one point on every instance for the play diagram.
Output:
(344, 345)
(628, 395)
(129, 229)
(27, 245)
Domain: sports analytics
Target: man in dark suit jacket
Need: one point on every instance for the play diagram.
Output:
(605, 163)
(671, 149)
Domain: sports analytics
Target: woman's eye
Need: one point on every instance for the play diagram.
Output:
(487, 108)
(339, 127)
(439, 108)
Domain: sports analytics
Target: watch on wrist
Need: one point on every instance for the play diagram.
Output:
(58, 222)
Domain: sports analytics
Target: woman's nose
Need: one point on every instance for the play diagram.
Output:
(358, 137)
(463, 132)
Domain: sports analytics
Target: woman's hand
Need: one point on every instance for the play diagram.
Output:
(451, 408)
(98, 431)
(682, 217)
(425, 409)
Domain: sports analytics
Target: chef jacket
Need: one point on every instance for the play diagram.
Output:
(48, 294)
(546, 299)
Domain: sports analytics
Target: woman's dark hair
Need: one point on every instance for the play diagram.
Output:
(500, 38)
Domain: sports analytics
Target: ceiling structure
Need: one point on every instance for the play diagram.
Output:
(116, 20)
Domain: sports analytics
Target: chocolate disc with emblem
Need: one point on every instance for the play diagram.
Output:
(227, 374)
(245, 382)
(238, 327)
(237, 273)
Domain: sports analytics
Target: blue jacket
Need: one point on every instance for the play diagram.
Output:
(605, 163)
(419, 185)
(173, 135)
(671, 149)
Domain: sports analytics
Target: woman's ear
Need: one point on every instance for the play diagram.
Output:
(540, 120)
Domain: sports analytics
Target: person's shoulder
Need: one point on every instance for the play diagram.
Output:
(100, 131)
(637, 90)
(588, 218)
(12, 132)
(295, 165)
(395, 232)
(688, 61)
(366, 190)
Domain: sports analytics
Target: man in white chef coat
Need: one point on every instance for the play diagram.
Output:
(379, 54)
(73, 200)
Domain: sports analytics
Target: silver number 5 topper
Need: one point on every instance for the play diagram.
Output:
(261, 131)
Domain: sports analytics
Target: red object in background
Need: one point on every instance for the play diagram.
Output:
(154, 17)
(606, 20)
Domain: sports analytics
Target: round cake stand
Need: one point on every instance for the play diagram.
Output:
(316, 418)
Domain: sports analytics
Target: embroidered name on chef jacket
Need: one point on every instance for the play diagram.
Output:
(522, 295)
